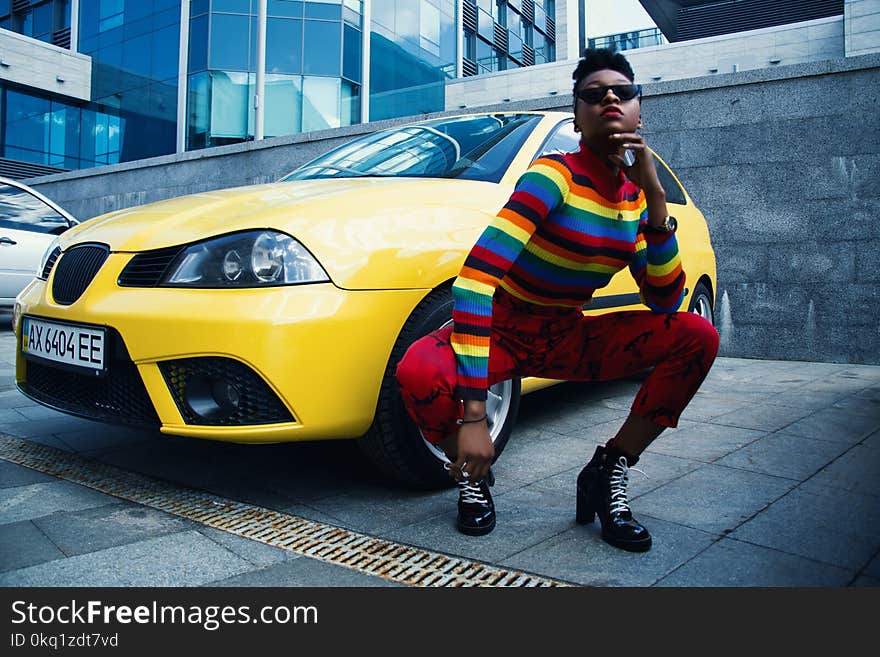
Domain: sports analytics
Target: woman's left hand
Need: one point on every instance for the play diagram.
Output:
(642, 173)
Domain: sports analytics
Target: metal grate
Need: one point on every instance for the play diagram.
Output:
(551, 28)
(61, 38)
(500, 38)
(50, 262)
(76, 269)
(396, 562)
(146, 269)
(710, 19)
(528, 55)
(469, 16)
(257, 402)
(18, 170)
(118, 397)
(468, 67)
(528, 10)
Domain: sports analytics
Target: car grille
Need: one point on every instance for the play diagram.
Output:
(50, 262)
(257, 403)
(146, 269)
(119, 396)
(75, 271)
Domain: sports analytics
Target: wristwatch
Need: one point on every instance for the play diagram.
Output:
(668, 226)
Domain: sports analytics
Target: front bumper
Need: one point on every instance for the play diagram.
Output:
(321, 350)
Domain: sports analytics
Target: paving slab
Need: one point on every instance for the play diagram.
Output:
(865, 581)
(42, 499)
(58, 424)
(525, 517)
(763, 417)
(866, 402)
(734, 563)
(22, 544)
(873, 567)
(872, 441)
(12, 474)
(544, 454)
(701, 441)
(713, 498)
(184, 559)
(379, 511)
(102, 527)
(784, 455)
(836, 425)
(658, 469)
(100, 437)
(305, 572)
(858, 470)
(843, 529)
(254, 552)
(580, 555)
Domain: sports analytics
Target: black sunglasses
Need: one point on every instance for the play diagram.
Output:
(595, 95)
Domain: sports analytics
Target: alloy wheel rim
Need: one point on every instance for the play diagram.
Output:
(703, 308)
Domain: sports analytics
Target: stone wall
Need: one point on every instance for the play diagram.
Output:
(783, 162)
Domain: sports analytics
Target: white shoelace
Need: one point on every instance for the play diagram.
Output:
(619, 480)
(471, 493)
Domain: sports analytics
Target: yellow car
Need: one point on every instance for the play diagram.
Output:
(278, 312)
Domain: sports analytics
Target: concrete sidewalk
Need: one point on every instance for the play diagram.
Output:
(771, 479)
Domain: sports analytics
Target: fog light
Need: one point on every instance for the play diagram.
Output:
(212, 399)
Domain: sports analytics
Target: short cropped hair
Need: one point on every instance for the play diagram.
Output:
(597, 59)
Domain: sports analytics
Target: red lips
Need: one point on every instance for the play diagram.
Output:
(612, 111)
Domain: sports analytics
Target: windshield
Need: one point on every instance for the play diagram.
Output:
(470, 147)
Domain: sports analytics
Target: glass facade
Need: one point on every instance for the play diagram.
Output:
(506, 34)
(651, 36)
(315, 68)
(412, 52)
(134, 49)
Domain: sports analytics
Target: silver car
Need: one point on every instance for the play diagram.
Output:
(28, 224)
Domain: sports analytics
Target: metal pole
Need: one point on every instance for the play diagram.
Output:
(182, 77)
(74, 25)
(260, 91)
(365, 61)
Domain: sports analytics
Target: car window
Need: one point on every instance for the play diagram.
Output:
(470, 147)
(23, 211)
(674, 192)
(565, 140)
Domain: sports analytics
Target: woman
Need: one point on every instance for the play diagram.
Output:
(573, 221)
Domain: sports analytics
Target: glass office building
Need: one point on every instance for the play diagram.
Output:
(326, 63)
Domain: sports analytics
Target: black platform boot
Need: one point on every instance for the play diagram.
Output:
(476, 510)
(601, 488)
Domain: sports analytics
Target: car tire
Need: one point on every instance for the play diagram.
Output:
(701, 303)
(394, 444)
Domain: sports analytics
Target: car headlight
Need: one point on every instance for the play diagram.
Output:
(250, 259)
(48, 260)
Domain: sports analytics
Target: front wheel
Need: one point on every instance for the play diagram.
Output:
(701, 303)
(394, 444)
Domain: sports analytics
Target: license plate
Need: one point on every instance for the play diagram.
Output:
(69, 344)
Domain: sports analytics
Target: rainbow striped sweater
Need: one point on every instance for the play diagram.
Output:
(568, 227)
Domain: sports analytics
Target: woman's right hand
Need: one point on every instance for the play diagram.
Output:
(475, 452)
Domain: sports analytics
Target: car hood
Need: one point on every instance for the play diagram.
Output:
(367, 233)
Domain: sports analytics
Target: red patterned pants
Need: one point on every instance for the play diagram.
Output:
(554, 343)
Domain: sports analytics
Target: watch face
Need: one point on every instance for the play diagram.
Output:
(671, 223)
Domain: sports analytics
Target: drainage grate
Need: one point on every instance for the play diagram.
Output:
(393, 561)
